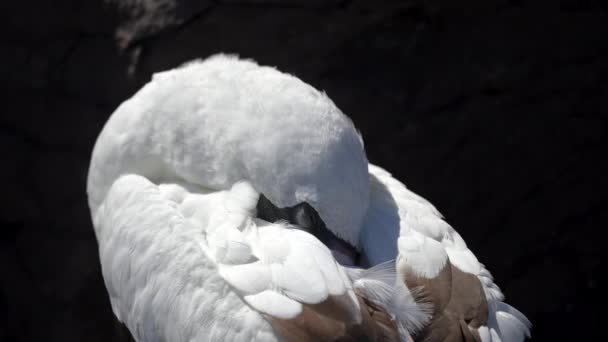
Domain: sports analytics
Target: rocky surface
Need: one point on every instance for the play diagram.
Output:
(494, 110)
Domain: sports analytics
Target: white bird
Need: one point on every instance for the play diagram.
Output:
(233, 202)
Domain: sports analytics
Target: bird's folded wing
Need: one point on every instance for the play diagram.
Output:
(435, 262)
(161, 282)
(191, 266)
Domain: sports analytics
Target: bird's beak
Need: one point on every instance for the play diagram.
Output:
(303, 216)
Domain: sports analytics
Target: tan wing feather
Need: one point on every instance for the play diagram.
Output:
(326, 322)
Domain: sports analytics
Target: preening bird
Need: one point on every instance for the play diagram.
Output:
(233, 202)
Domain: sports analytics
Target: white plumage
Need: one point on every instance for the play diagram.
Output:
(173, 185)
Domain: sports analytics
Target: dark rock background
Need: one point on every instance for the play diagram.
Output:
(493, 110)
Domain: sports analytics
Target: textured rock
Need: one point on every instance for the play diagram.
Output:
(493, 110)
(144, 18)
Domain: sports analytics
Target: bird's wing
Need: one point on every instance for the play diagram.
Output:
(191, 266)
(162, 284)
(434, 260)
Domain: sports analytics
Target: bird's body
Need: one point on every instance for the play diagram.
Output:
(232, 202)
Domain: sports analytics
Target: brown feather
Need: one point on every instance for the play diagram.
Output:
(459, 304)
(328, 321)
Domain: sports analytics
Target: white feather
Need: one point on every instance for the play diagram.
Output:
(426, 257)
(274, 304)
(249, 278)
(381, 285)
(512, 324)
(411, 315)
(484, 334)
(376, 283)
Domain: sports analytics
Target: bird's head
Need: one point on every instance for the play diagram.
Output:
(223, 120)
(311, 168)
